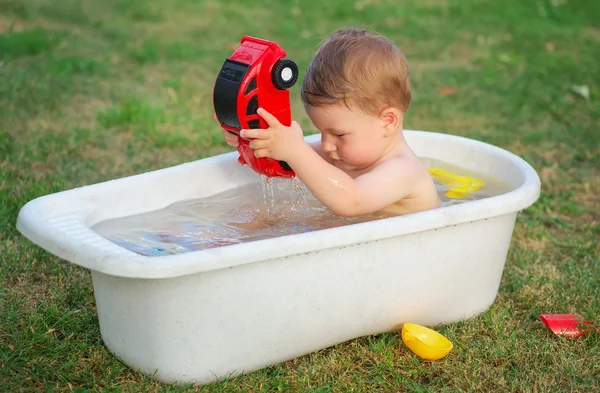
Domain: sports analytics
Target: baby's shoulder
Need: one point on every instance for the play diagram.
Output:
(405, 166)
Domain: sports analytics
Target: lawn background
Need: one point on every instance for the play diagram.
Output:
(94, 90)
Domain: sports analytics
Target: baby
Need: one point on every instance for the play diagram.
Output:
(356, 92)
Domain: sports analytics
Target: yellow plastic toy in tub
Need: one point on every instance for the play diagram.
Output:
(458, 186)
(424, 342)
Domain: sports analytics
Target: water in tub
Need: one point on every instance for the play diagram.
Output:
(270, 208)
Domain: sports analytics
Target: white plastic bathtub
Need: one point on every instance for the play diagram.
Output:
(205, 315)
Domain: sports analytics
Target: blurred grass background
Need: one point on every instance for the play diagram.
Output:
(93, 90)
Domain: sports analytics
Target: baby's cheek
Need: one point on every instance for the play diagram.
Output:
(351, 154)
(361, 155)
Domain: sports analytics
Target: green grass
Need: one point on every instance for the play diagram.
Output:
(95, 90)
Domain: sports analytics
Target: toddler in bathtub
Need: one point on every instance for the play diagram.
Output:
(355, 92)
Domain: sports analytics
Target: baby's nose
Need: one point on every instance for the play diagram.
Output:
(328, 145)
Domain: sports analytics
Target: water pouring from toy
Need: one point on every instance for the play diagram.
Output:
(256, 74)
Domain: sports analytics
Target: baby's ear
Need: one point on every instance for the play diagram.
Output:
(391, 119)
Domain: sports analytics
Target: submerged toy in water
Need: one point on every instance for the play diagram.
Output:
(459, 187)
(424, 342)
(255, 75)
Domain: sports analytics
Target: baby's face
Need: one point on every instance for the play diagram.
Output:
(353, 139)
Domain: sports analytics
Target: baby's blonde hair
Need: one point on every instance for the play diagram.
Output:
(359, 68)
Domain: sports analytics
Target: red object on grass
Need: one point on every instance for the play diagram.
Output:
(567, 325)
(255, 75)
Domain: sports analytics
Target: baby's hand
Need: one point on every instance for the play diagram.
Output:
(278, 141)
(231, 138)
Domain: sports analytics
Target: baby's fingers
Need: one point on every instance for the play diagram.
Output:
(261, 153)
(271, 120)
(232, 142)
(230, 138)
(255, 134)
(258, 144)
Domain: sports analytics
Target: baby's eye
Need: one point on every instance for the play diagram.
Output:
(341, 135)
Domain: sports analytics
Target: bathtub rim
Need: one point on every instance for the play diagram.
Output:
(32, 224)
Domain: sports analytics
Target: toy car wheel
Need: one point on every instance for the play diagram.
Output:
(284, 74)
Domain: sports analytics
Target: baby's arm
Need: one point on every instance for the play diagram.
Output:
(345, 196)
(384, 185)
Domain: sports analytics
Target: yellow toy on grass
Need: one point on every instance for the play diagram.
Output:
(458, 186)
(424, 342)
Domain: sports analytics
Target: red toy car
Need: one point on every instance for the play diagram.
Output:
(256, 74)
